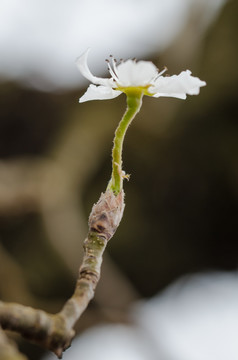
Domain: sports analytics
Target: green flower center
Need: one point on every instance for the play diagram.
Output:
(135, 90)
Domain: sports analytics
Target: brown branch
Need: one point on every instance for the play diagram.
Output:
(55, 331)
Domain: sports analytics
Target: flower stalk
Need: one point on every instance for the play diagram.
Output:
(134, 102)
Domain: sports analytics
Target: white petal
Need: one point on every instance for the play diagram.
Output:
(82, 64)
(131, 73)
(99, 93)
(177, 85)
(182, 96)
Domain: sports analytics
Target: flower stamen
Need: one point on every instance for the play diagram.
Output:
(114, 65)
(112, 69)
(160, 73)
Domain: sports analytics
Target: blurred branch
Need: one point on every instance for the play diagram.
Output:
(15, 286)
(8, 350)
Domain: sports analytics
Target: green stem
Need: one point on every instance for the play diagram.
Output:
(134, 102)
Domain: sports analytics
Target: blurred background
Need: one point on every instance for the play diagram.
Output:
(169, 274)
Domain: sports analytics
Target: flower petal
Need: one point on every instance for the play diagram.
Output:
(82, 64)
(99, 93)
(131, 73)
(177, 85)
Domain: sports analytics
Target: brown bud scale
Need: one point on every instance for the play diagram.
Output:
(106, 214)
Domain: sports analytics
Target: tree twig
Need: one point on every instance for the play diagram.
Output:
(55, 331)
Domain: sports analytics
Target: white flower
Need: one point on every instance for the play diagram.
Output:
(130, 76)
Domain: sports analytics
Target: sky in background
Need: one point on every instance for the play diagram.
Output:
(40, 40)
